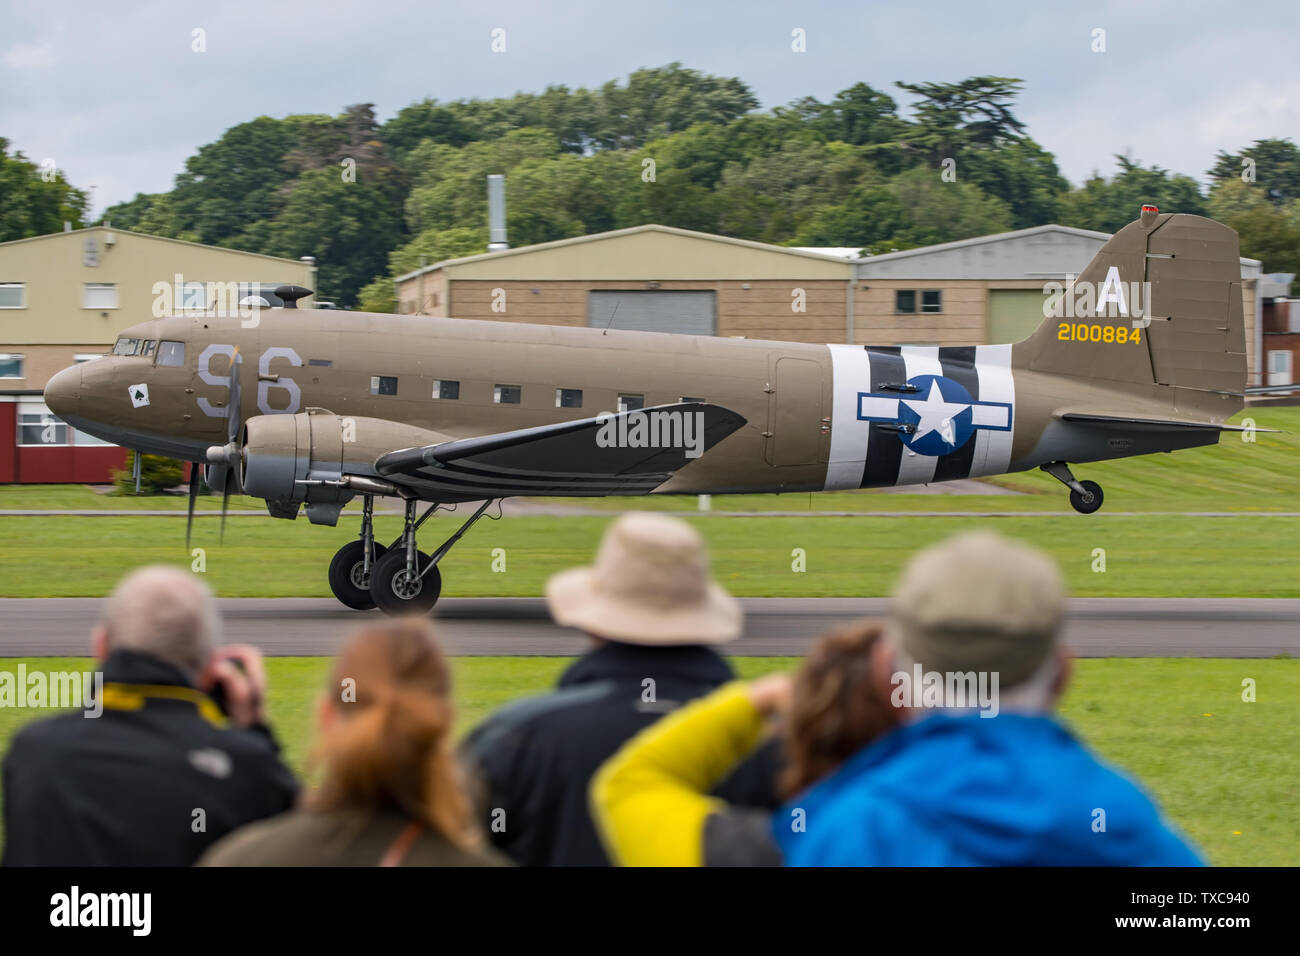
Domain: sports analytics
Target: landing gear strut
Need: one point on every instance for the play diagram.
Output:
(399, 579)
(351, 568)
(1085, 496)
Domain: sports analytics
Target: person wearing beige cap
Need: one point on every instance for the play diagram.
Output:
(655, 617)
(979, 772)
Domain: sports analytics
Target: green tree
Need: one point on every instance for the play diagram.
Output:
(1274, 163)
(1108, 205)
(34, 202)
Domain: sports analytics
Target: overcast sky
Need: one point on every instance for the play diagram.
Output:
(114, 94)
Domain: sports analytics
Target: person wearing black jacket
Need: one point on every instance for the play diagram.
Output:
(654, 613)
(162, 772)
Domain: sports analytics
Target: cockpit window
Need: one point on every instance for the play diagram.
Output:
(171, 353)
(147, 349)
(126, 346)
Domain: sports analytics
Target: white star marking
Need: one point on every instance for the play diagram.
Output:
(936, 414)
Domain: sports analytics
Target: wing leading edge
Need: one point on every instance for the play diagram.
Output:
(627, 453)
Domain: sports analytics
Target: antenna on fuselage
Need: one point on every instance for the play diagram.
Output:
(611, 319)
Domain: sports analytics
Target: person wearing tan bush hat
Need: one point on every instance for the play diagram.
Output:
(650, 584)
(654, 613)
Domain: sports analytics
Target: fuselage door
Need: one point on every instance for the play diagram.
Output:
(795, 410)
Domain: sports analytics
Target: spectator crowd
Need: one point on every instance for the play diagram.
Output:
(925, 738)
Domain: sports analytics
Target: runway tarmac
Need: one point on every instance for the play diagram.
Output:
(1098, 627)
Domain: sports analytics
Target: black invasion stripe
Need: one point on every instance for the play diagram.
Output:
(959, 365)
(884, 446)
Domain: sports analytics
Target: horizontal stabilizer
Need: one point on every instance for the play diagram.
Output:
(1154, 424)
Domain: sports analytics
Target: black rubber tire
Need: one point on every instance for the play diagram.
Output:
(1087, 507)
(346, 577)
(387, 585)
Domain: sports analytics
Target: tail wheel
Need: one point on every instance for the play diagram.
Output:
(1089, 501)
(396, 592)
(348, 577)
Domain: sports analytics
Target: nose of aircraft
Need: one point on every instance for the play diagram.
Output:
(63, 392)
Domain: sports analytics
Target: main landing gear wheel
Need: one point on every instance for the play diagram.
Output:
(396, 591)
(349, 579)
(1089, 500)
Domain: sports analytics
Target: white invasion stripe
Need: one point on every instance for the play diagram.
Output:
(990, 416)
(914, 469)
(877, 406)
(997, 384)
(850, 375)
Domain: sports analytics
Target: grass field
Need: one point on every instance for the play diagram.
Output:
(1246, 556)
(1223, 769)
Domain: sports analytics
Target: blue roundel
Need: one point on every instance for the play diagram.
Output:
(940, 413)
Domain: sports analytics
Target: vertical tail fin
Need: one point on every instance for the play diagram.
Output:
(1159, 304)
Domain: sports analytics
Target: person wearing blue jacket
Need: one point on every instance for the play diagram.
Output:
(980, 772)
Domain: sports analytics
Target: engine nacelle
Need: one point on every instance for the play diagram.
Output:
(294, 459)
(320, 459)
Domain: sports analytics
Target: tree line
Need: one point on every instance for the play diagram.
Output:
(669, 145)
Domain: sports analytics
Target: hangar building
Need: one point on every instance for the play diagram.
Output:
(971, 292)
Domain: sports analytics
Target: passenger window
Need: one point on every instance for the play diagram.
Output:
(383, 385)
(446, 388)
(568, 398)
(171, 353)
(507, 394)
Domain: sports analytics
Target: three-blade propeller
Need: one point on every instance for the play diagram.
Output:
(224, 459)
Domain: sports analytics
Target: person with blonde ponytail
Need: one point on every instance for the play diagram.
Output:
(391, 792)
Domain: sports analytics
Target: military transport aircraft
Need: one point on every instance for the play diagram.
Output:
(300, 407)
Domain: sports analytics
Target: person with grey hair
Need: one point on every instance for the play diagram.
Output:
(979, 771)
(175, 753)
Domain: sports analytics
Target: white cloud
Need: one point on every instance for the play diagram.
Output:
(29, 56)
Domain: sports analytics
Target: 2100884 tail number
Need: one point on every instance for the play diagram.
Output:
(1084, 332)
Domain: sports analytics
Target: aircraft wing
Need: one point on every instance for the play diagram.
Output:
(1153, 424)
(627, 453)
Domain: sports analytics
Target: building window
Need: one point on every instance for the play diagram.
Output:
(905, 301)
(630, 403)
(446, 388)
(86, 357)
(171, 353)
(191, 296)
(507, 394)
(82, 439)
(568, 398)
(99, 295)
(11, 365)
(320, 363)
(37, 426)
(691, 401)
(383, 385)
(11, 295)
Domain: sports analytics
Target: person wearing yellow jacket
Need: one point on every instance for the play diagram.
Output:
(651, 799)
